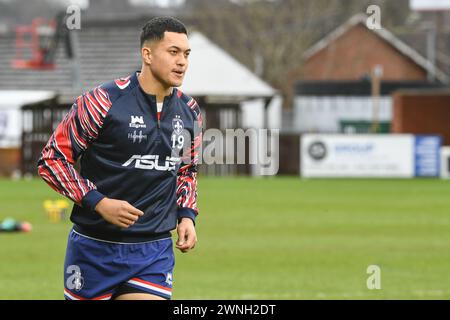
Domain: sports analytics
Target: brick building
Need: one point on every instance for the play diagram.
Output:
(338, 87)
(337, 92)
(352, 50)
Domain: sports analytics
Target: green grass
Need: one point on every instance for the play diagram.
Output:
(274, 238)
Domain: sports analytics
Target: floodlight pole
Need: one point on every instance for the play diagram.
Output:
(430, 28)
(375, 78)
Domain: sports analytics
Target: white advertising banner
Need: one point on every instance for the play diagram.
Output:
(357, 155)
(445, 162)
(429, 5)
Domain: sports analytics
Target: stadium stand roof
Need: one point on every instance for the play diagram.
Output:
(109, 49)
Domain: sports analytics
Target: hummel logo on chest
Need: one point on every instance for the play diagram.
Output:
(137, 122)
(137, 137)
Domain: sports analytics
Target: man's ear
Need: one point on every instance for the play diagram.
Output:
(146, 54)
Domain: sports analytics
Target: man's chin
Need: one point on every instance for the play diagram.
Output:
(176, 83)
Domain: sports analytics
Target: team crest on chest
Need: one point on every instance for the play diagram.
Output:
(177, 125)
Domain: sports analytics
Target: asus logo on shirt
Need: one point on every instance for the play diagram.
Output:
(137, 122)
(151, 162)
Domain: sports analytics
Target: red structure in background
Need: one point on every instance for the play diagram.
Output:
(422, 112)
(37, 39)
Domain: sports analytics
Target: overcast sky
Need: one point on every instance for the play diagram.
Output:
(161, 3)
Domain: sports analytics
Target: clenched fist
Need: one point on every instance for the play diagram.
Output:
(118, 212)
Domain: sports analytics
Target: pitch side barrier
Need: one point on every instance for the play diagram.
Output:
(370, 155)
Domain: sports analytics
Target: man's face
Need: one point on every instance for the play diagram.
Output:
(169, 58)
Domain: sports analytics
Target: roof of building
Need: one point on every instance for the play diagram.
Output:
(214, 72)
(106, 52)
(15, 99)
(109, 49)
(405, 49)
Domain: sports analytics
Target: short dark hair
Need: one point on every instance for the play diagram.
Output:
(154, 29)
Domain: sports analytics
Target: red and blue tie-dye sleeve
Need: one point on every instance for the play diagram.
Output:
(78, 129)
(187, 174)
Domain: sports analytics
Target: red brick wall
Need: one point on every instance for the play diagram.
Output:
(422, 113)
(355, 53)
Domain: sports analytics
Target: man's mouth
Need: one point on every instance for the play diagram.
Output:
(178, 72)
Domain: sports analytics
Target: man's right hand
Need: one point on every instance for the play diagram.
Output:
(118, 212)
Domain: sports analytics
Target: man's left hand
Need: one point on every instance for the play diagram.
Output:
(187, 237)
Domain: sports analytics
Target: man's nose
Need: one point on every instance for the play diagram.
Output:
(181, 61)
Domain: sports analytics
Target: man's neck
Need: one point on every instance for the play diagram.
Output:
(152, 86)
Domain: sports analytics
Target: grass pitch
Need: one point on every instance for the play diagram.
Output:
(268, 238)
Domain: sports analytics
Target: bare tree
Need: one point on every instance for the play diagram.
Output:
(277, 32)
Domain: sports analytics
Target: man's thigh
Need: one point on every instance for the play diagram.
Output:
(153, 265)
(92, 269)
(139, 296)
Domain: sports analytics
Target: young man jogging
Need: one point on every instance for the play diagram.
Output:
(138, 140)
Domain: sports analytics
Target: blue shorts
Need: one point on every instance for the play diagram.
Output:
(98, 269)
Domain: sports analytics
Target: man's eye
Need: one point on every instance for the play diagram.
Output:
(173, 52)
